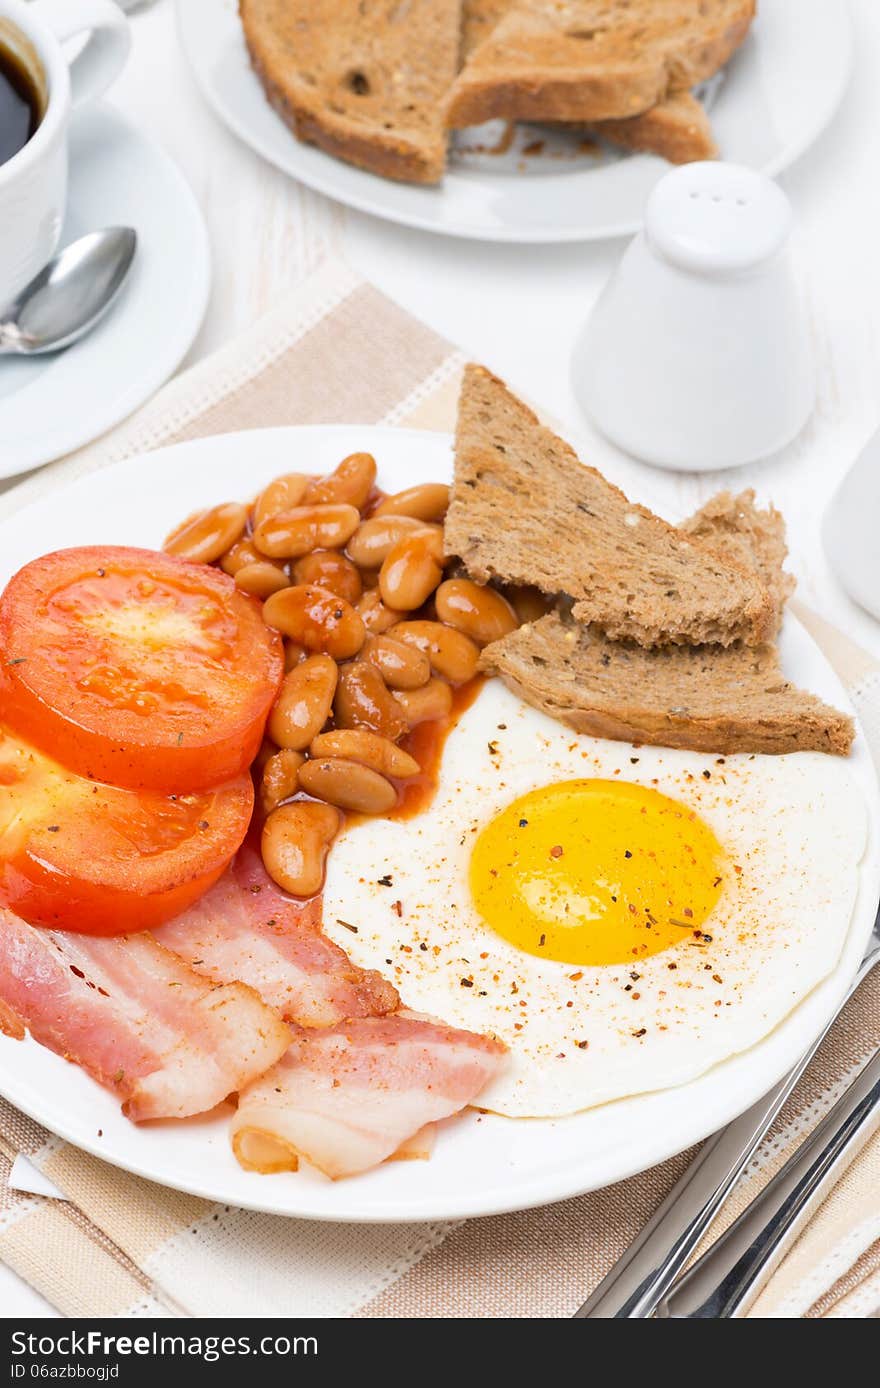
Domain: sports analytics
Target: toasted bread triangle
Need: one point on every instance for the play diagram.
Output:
(592, 60)
(525, 510)
(703, 697)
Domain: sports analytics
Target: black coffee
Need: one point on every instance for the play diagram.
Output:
(19, 105)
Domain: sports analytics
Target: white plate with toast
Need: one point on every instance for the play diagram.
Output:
(483, 1164)
(767, 106)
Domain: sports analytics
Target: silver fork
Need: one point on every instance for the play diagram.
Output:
(640, 1280)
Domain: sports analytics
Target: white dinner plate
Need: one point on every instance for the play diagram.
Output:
(53, 404)
(769, 104)
(482, 1164)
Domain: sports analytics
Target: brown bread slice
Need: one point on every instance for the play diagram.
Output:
(676, 129)
(703, 697)
(365, 81)
(734, 527)
(524, 510)
(590, 60)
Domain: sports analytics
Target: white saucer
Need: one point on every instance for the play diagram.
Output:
(772, 100)
(51, 405)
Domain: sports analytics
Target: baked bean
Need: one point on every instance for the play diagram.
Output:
(242, 552)
(348, 784)
(374, 538)
(316, 619)
(351, 482)
(401, 666)
(375, 615)
(295, 842)
(304, 528)
(331, 570)
(208, 535)
(359, 744)
(279, 780)
(261, 580)
(528, 603)
(283, 494)
(452, 654)
(427, 502)
(411, 570)
(364, 701)
(304, 702)
(433, 700)
(481, 613)
(267, 750)
(294, 654)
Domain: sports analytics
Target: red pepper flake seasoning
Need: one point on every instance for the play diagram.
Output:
(672, 966)
(556, 851)
(423, 947)
(561, 1055)
(635, 997)
(688, 913)
(347, 925)
(641, 1031)
(576, 978)
(716, 978)
(542, 941)
(707, 775)
(493, 749)
(397, 908)
(467, 982)
(582, 1045)
(385, 881)
(717, 882)
(634, 976)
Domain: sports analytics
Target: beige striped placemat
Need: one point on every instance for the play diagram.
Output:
(337, 351)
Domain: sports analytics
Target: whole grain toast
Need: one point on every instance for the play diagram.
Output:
(676, 129)
(593, 60)
(524, 510)
(364, 81)
(707, 698)
(753, 538)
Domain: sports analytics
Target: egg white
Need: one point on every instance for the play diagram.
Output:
(795, 825)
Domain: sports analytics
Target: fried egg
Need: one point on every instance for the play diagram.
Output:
(622, 917)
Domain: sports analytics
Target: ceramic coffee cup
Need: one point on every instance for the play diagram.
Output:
(33, 183)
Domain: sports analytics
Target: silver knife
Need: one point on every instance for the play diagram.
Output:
(639, 1281)
(725, 1282)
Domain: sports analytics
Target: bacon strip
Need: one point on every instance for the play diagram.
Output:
(347, 1097)
(136, 1018)
(245, 928)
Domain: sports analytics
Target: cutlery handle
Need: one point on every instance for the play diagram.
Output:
(729, 1276)
(637, 1284)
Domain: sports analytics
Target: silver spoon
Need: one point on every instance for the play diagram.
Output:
(68, 297)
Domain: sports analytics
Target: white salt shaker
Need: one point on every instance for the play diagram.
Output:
(697, 354)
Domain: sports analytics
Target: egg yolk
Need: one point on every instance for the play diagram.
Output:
(596, 872)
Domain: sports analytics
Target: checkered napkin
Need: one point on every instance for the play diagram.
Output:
(336, 351)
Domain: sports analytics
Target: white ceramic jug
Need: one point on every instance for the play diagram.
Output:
(849, 529)
(697, 354)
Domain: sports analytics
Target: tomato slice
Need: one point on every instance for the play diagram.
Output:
(79, 855)
(136, 668)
